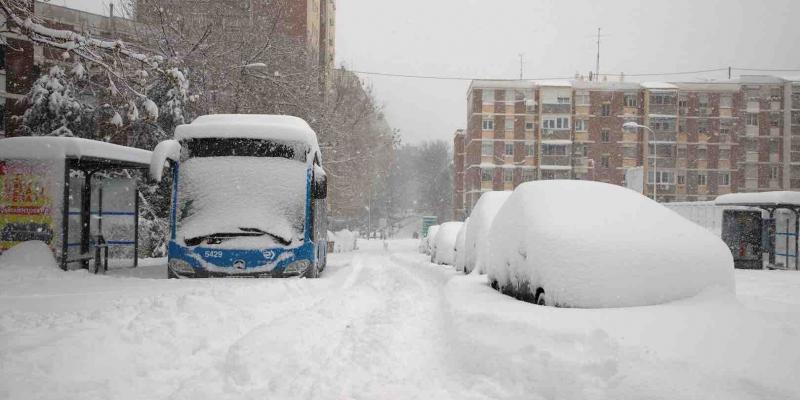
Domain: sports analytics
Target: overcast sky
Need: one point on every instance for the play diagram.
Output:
(483, 38)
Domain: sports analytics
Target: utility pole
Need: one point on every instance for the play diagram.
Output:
(521, 64)
(597, 66)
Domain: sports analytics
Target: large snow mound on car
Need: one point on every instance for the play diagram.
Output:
(477, 235)
(590, 244)
(443, 251)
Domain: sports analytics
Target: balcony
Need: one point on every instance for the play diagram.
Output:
(751, 131)
(774, 157)
(560, 161)
(751, 157)
(753, 107)
(663, 109)
(556, 108)
(775, 106)
(773, 131)
(556, 134)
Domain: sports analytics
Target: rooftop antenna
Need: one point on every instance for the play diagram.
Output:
(597, 66)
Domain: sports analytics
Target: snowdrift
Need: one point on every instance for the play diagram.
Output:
(28, 260)
(343, 240)
(594, 245)
(443, 251)
(477, 235)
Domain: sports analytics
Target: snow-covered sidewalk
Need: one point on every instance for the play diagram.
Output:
(384, 325)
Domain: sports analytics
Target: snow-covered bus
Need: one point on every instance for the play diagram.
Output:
(248, 198)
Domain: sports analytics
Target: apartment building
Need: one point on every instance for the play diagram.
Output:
(705, 138)
(458, 175)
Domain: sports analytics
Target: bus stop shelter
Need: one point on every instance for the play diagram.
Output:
(771, 202)
(54, 190)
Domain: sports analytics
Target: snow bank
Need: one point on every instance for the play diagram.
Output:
(426, 243)
(27, 259)
(443, 251)
(593, 245)
(343, 240)
(477, 235)
(461, 240)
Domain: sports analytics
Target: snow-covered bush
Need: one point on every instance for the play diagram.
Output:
(461, 240)
(52, 106)
(443, 249)
(426, 242)
(343, 240)
(477, 235)
(593, 245)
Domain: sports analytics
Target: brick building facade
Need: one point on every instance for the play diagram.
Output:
(707, 138)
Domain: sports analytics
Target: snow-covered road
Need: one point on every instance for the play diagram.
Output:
(384, 325)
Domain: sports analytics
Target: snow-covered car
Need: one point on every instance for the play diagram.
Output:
(427, 241)
(477, 235)
(461, 240)
(594, 245)
(444, 245)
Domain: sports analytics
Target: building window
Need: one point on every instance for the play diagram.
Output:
(605, 110)
(773, 173)
(702, 179)
(528, 175)
(726, 101)
(681, 179)
(725, 178)
(662, 98)
(631, 100)
(563, 100)
(562, 123)
(510, 96)
(604, 136)
(724, 154)
(509, 149)
(509, 125)
(554, 150)
(581, 125)
(529, 150)
(486, 174)
(488, 124)
(488, 96)
(605, 160)
(528, 125)
(681, 152)
(662, 124)
(752, 119)
(703, 126)
(702, 153)
(487, 148)
(508, 175)
(662, 177)
(556, 123)
(582, 100)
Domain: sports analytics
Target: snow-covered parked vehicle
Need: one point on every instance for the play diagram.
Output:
(426, 243)
(477, 235)
(461, 240)
(444, 246)
(594, 245)
(248, 198)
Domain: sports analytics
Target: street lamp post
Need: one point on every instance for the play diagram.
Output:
(633, 125)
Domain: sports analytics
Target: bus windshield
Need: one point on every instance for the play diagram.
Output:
(241, 194)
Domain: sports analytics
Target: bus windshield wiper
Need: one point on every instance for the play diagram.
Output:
(217, 238)
(260, 232)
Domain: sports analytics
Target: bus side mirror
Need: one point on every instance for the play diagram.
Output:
(321, 188)
(166, 150)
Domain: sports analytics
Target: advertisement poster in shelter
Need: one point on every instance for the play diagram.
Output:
(27, 202)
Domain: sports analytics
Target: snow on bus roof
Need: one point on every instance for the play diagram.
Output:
(760, 199)
(249, 126)
(58, 147)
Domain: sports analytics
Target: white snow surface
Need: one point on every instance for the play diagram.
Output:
(591, 245)
(762, 198)
(443, 251)
(27, 260)
(166, 150)
(385, 325)
(343, 240)
(250, 126)
(477, 235)
(56, 147)
(248, 192)
(461, 244)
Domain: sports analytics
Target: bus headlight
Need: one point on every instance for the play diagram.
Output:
(180, 267)
(297, 268)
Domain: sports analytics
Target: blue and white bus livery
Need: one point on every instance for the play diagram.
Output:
(249, 198)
